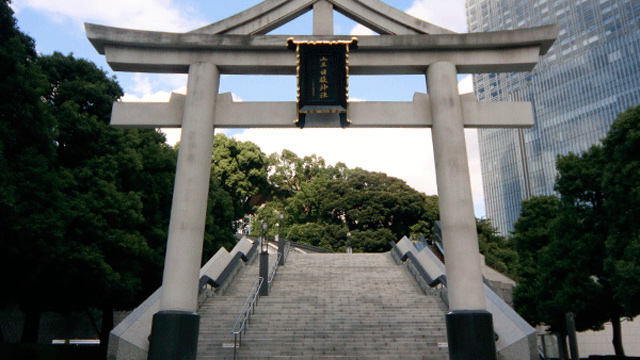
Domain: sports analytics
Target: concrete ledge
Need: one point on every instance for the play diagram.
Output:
(431, 263)
(405, 246)
(129, 340)
(516, 338)
(243, 246)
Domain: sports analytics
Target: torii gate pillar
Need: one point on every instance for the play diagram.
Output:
(175, 328)
(469, 324)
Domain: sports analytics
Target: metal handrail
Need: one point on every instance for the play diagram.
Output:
(245, 315)
(249, 305)
(272, 273)
(287, 247)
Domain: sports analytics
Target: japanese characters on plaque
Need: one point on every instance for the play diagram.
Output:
(322, 71)
(323, 83)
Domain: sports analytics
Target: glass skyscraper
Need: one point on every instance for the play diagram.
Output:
(589, 76)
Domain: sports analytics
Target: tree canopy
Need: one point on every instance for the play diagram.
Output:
(241, 168)
(579, 252)
(29, 189)
(84, 207)
(335, 207)
(498, 252)
(621, 187)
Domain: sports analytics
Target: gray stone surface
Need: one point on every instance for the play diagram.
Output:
(243, 246)
(148, 51)
(363, 114)
(322, 18)
(517, 339)
(188, 208)
(460, 239)
(329, 306)
(430, 262)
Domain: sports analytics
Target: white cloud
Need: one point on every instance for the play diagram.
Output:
(160, 15)
(173, 135)
(145, 84)
(362, 30)
(158, 96)
(465, 86)
(475, 171)
(141, 84)
(447, 14)
(406, 154)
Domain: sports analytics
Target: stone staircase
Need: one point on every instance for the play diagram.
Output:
(329, 306)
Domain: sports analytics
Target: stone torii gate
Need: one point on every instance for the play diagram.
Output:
(238, 45)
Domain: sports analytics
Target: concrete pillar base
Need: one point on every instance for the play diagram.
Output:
(174, 336)
(470, 334)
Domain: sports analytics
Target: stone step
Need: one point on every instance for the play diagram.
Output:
(328, 306)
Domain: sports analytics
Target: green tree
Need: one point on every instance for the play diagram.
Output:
(219, 225)
(586, 221)
(84, 207)
(30, 229)
(289, 172)
(573, 247)
(621, 186)
(373, 207)
(497, 251)
(118, 187)
(309, 233)
(561, 250)
(241, 168)
(430, 214)
(532, 232)
(105, 253)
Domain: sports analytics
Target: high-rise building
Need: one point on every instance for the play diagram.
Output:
(589, 76)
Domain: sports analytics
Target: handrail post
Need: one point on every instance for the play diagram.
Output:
(264, 260)
(281, 247)
(264, 273)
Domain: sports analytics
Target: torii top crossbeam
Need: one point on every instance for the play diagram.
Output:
(148, 51)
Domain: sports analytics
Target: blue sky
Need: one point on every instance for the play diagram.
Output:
(57, 25)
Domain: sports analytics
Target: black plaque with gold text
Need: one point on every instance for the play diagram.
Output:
(323, 78)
